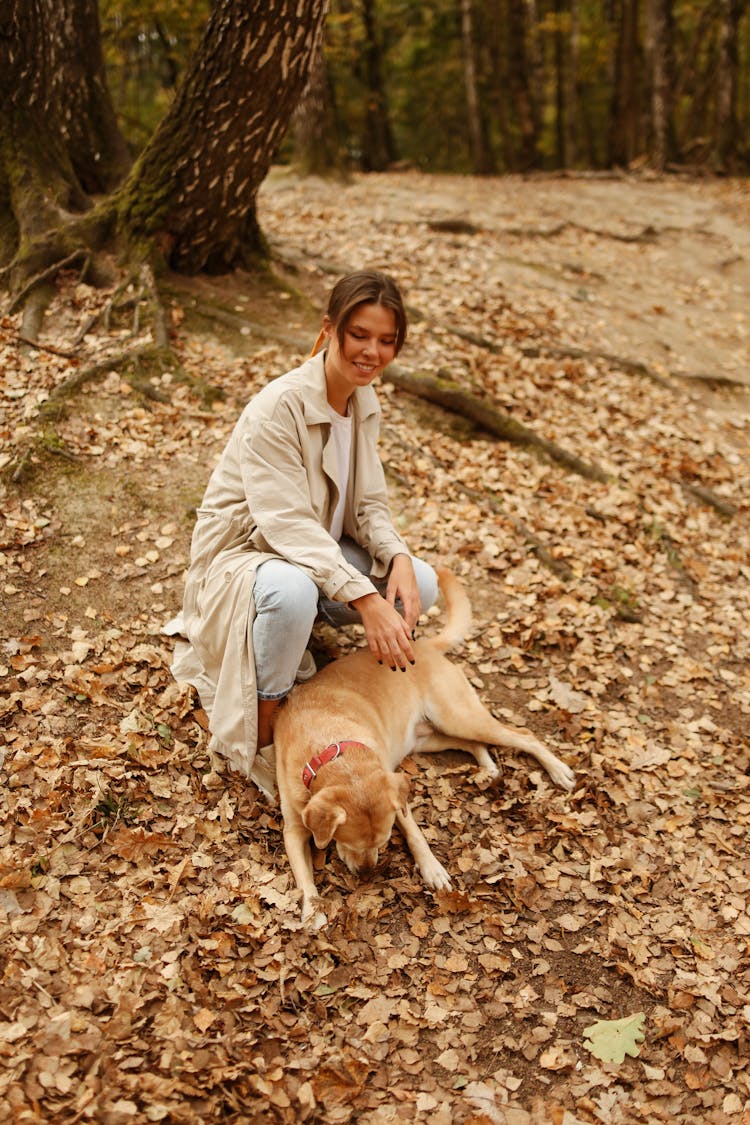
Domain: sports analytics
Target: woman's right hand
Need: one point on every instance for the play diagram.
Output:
(386, 631)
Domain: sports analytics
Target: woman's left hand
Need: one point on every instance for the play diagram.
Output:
(402, 584)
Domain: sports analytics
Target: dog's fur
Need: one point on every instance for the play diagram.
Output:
(355, 799)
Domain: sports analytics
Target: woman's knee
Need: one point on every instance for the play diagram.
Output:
(427, 583)
(282, 589)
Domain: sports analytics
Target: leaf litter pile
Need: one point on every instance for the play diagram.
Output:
(591, 962)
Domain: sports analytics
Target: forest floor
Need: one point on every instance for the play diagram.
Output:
(154, 966)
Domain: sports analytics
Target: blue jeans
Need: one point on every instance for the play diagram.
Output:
(287, 605)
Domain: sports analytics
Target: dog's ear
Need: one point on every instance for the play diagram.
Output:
(400, 783)
(322, 818)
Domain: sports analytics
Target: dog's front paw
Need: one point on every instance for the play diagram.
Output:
(434, 875)
(313, 917)
(562, 775)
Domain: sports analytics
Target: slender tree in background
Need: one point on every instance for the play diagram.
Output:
(378, 145)
(726, 96)
(661, 32)
(624, 137)
(315, 126)
(571, 86)
(525, 79)
(561, 106)
(482, 158)
(191, 194)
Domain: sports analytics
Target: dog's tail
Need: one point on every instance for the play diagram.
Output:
(458, 621)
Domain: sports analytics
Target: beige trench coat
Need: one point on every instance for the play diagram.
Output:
(272, 495)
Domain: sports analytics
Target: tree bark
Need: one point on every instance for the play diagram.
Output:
(624, 132)
(378, 144)
(78, 88)
(38, 183)
(727, 131)
(526, 78)
(481, 154)
(560, 85)
(571, 87)
(316, 135)
(193, 191)
(661, 31)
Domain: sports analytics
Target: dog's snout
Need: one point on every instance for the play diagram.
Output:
(359, 862)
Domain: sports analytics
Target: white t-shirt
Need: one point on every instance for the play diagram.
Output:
(341, 435)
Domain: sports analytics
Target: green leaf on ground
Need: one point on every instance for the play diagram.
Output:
(612, 1040)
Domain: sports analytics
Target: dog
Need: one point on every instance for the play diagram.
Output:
(340, 737)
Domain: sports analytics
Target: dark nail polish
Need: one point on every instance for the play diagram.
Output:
(412, 662)
(380, 662)
(403, 669)
(393, 667)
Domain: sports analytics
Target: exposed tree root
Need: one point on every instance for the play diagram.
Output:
(17, 338)
(448, 394)
(706, 496)
(645, 234)
(557, 566)
(130, 362)
(49, 274)
(208, 311)
(490, 502)
(559, 351)
(34, 309)
(105, 312)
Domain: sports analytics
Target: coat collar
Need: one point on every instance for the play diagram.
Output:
(364, 400)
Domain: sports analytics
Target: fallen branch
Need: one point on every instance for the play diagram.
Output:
(448, 394)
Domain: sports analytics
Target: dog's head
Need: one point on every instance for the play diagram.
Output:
(359, 820)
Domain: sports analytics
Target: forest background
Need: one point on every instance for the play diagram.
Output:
(567, 429)
(484, 86)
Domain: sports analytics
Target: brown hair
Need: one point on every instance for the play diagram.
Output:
(366, 287)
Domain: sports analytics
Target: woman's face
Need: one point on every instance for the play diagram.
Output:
(369, 346)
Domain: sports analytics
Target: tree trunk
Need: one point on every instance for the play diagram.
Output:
(193, 190)
(571, 87)
(317, 149)
(378, 145)
(661, 31)
(526, 75)
(79, 90)
(727, 131)
(624, 132)
(38, 184)
(481, 154)
(560, 86)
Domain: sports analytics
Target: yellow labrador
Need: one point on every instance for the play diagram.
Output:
(340, 737)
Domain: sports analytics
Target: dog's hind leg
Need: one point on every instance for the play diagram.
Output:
(459, 711)
(432, 743)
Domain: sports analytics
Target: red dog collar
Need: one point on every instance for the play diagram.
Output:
(335, 750)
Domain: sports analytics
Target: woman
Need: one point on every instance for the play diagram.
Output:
(295, 525)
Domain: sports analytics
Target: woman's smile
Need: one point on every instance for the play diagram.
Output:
(369, 345)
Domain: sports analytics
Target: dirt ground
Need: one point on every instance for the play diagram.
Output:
(155, 969)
